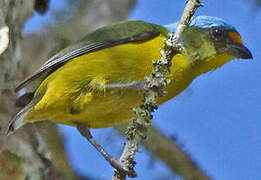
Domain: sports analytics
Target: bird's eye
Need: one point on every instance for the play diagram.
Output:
(217, 32)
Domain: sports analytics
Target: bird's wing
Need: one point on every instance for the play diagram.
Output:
(108, 36)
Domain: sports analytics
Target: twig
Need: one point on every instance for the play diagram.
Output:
(169, 151)
(156, 83)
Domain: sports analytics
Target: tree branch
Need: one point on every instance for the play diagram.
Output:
(169, 152)
(157, 81)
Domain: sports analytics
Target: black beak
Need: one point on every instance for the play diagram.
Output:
(240, 51)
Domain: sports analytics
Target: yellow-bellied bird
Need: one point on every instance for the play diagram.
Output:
(97, 81)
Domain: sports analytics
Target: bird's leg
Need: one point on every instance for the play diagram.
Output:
(115, 163)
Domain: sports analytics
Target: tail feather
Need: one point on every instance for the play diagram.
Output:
(18, 120)
(24, 100)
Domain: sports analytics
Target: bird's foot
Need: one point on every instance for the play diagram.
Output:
(117, 164)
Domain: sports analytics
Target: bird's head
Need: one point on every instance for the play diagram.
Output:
(210, 42)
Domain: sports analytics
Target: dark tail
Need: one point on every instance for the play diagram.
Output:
(27, 102)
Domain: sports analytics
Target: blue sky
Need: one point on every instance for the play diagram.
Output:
(217, 118)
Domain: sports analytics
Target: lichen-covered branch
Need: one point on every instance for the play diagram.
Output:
(156, 83)
(184, 21)
(168, 150)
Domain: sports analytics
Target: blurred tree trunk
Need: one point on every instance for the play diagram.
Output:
(39, 153)
(16, 154)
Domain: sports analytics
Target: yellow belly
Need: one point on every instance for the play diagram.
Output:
(76, 91)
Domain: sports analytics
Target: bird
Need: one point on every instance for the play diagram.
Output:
(96, 82)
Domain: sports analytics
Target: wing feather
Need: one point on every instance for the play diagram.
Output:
(123, 32)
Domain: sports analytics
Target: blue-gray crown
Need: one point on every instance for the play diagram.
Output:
(203, 22)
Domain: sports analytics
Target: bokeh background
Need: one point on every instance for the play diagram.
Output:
(216, 120)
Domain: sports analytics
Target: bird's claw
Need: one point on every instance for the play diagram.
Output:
(117, 164)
